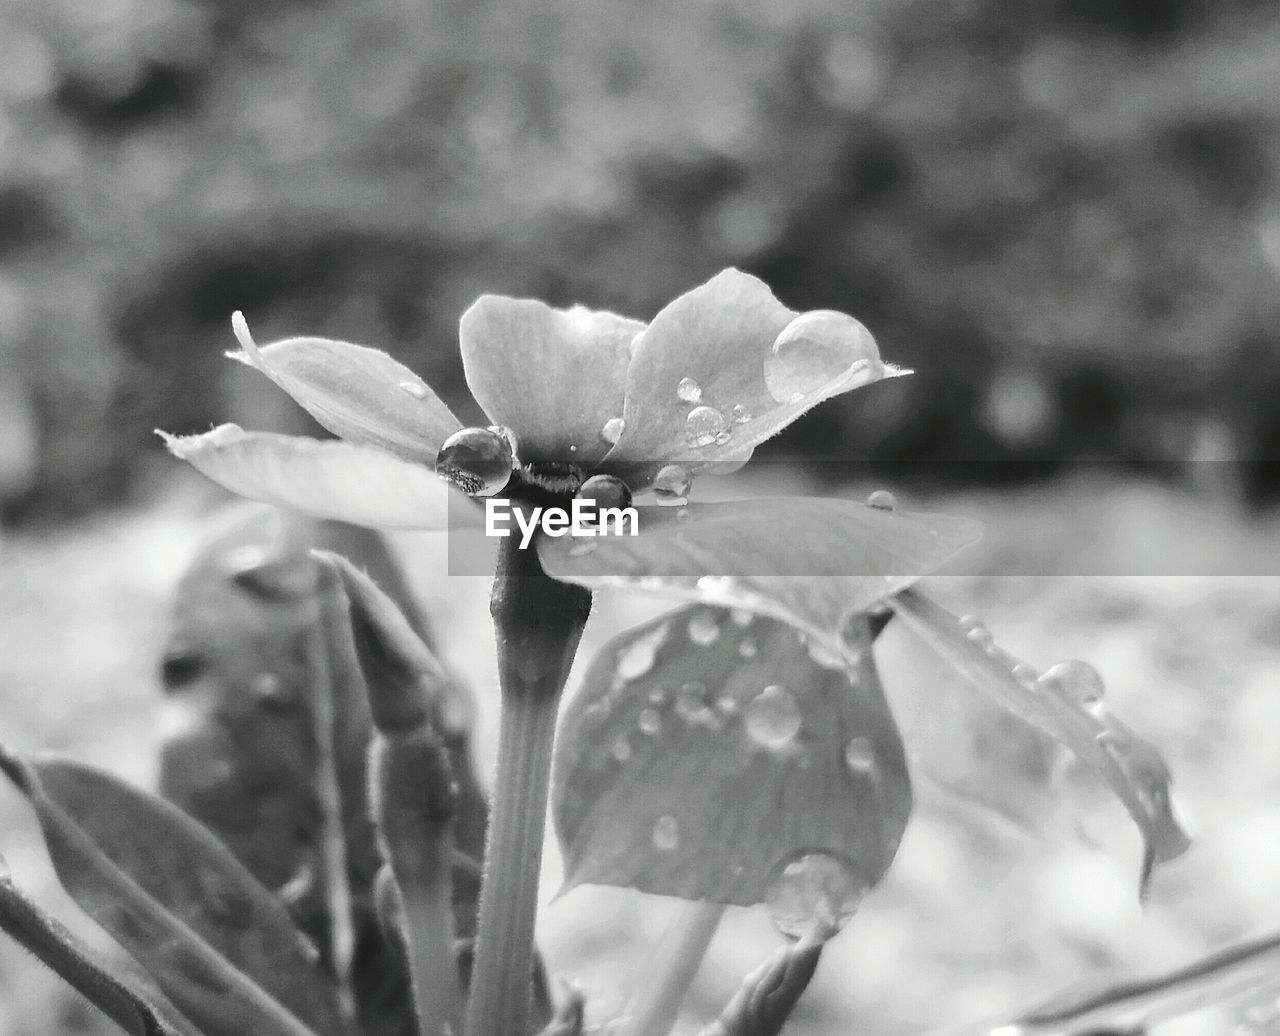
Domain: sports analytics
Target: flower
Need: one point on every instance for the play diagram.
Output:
(718, 371)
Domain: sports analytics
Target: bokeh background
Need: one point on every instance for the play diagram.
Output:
(1065, 215)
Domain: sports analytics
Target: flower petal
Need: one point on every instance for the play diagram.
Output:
(553, 376)
(360, 394)
(836, 557)
(325, 479)
(706, 383)
(703, 751)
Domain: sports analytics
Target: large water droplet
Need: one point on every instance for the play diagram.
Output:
(813, 893)
(1078, 681)
(672, 483)
(613, 429)
(649, 722)
(859, 756)
(666, 833)
(773, 717)
(815, 349)
(704, 426)
(478, 461)
(689, 391)
(703, 628)
(882, 500)
(414, 388)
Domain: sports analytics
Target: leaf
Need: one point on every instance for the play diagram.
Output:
(1132, 768)
(837, 557)
(553, 376)
(324, 478)
(718, 339)
(45, 938)
(360, 394)
(769, 994)
(707, 747)
(218, 944)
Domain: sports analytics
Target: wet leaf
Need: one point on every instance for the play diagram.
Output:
(1132, 768)
(553, 376)
(706, 748)
(136, 1011)
(360, 394)
(322, 478)
(705, 384)
(218, 944)
(837, 557)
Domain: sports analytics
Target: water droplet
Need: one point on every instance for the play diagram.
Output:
(1024, 674)
(414, 388)
(621, 750)
(573, 448)
(815, 349)
(666, 833)
(742, 617)
(859, 756)
(691, 700)
(977, 633)
(672, 483)
(824, 656)
(1078, 681)
(606, 491)
(689, 391)
(509, 435)
(728, 705)
(478, 461)
(703, 425)
(649, 722)
(703, 628)
(882, 500)
(658, 697)
(813, 893)
(271, 692)
(773, 717)
(739, 414)
(715, 586)
(723, 438)
(637, 658)
(581, 548)
(613, 429)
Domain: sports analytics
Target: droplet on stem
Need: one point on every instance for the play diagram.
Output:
(813, 893)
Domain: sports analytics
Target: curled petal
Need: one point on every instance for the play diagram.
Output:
(725, 367)
(810, 562)
(324, 479)
(555, 377)
(360, 394)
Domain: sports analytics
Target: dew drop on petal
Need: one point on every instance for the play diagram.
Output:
(414, 388)
(636, 658)
(824, 656)
(621, 750)
(859, 755)
(882, 500)
(773, 717)
(815, 349)
(742, 617)
(739, 414)
(689, 391)
(703, 628)
(672, 483)
(658, 697)
(813, 893)
(478, 461)
(704, 425)
(728, 705)
(1078, 681)
(715, 586)
(1024, 674)
(613, 429)
(666, 833)
(649, 722)
(509, 435)
(691, 700)
(605, 491)
(747, 647)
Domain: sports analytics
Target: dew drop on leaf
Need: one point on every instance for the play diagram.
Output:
(689, 391)
(728, 705)
(666, 833)
(636, 658)
(672, 483)
(621, 750)
(813, 893)
(414, 388)
(773, 717)
(613, 429)
(479, 461)
(704, 425)
(859, 755)
(815, 349)
(742, 617)
(1078, 681)
(703, 628)
(715, 586)
(739, 414)
(691, 700)
(882, 500)
(1024, 674)
(650, 722)
(747, 647)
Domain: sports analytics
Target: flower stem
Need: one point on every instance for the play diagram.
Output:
(538, 623)
(655, 1007)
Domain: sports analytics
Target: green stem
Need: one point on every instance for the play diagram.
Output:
(656, 1005)
(538, 623)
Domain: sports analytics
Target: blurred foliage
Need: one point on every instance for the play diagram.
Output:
(1064, 214)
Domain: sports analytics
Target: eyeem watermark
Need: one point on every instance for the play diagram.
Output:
(583, 518)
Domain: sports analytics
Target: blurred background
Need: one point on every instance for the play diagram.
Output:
(1065, 214)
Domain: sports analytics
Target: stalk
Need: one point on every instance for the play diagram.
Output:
(655, 1007)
